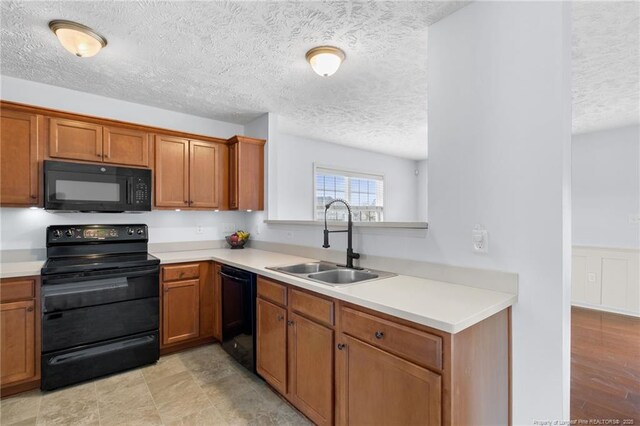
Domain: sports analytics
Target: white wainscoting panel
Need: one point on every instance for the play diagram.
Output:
(607, 279)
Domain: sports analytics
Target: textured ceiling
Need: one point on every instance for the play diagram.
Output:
(234, 61)
(606, 65)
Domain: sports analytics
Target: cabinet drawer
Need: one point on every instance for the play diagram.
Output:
(180, 272)
(414, 345)
(311, 306)
(273, 291)
(21, 289)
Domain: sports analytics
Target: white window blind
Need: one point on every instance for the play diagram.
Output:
(364, 191)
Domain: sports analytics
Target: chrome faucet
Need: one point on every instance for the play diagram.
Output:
(350, 253)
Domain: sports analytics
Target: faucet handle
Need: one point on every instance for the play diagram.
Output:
(326, 239)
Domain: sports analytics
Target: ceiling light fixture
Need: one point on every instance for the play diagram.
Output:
(325, 60)
(78, 39)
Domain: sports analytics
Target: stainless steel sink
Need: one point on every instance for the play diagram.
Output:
(343, 276)
(331, 274)
(306, 268)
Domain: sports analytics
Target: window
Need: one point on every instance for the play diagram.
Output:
(364, 191)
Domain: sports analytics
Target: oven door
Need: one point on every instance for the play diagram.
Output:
(85, 308)
(88, 187)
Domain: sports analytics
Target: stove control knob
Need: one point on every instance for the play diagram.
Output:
(130, 231)
(140, 231)
(57, 233)
(69, 233)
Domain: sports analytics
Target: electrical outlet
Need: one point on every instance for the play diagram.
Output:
(591, 277)
(480, 239)
(199, 229)
(634, 219)
(290, 235)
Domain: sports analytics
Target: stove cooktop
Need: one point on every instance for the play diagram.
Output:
(64, 265)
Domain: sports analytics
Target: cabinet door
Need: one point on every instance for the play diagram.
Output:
(172, 172)
(18, 338)
(233, 176)
(204, 175)
(75, 140)
(271, 352)
(19, 158)
(127, 147)
(377, 388)
(180, 311)
(311, 369)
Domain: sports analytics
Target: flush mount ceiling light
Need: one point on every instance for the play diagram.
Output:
(325, 60)
(78, 39)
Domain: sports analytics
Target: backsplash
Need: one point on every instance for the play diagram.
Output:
(24, 229)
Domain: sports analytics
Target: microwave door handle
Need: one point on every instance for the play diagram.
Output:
(129, 192)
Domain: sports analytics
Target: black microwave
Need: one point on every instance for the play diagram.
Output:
(96, 188)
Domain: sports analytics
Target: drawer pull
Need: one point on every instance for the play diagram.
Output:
(379, 335)
(280, 317)
(341, 346)
(290, 322)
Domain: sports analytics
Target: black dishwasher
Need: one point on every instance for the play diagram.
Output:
(238, 315)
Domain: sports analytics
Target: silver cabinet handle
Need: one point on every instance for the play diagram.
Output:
(280, 317)
(379, 335)
(341, 346)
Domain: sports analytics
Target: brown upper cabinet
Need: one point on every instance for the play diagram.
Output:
(78, 140)
(124, 146)
(246, 173)
(19, 154)
(190, 174)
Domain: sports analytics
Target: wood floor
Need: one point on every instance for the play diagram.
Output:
(605, 366)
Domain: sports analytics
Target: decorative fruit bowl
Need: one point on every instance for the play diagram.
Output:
(238, 239)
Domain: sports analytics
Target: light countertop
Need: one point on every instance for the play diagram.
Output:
(444, 306)
(440, 305)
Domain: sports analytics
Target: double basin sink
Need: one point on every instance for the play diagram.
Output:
(334, 275)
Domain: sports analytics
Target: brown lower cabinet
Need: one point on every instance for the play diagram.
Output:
(343, 364)
(294, 353)
(19, 335)
(188, 309)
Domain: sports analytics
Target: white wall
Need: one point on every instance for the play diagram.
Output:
(296, 156)
(44, 95)
(606, 188)
(499, 155)
(24, 228)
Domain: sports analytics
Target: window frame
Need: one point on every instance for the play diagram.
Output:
(348, 172)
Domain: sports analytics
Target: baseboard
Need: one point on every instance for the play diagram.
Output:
(606, 309)
(186, 345)
(19, 388)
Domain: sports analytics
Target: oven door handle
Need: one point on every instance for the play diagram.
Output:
(231, 277)
(84, 287)
(92, 352)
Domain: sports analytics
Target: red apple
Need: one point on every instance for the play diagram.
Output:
(234, 238)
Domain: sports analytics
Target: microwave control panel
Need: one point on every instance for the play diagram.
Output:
(141, 192)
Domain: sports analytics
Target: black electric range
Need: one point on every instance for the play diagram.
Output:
(100, 302)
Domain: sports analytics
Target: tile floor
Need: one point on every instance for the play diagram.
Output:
(202, 386)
